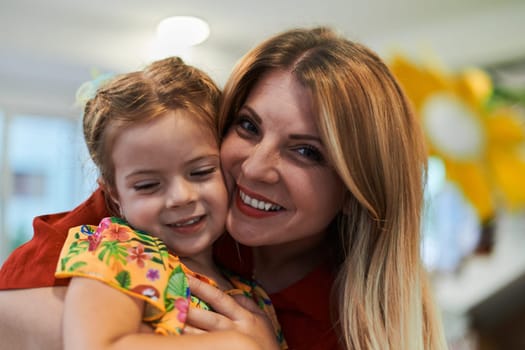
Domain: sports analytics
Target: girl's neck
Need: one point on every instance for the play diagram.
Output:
(279, 266)
(203, 264)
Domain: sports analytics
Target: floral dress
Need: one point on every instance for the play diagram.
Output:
(141, 266)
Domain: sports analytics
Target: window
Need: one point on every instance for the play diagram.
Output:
(451, 227)
(46, 170)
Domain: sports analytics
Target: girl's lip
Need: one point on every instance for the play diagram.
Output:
(190, 228)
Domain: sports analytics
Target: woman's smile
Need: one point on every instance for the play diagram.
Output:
(254, 205)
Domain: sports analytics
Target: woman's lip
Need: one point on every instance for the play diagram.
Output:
(251, 211)
(254, 195)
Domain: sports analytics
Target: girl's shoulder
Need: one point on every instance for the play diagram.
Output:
(118, 255)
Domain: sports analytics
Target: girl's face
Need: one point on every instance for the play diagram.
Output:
(169, 182)
(275, 165)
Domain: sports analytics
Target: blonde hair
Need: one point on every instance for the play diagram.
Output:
(376, 146)
(136, 97)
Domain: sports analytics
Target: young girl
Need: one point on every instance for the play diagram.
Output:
(152, 134)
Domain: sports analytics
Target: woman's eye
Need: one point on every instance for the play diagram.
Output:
(246, 125)
(311, 153)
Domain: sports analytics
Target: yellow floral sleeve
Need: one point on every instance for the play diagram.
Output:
(132, 262)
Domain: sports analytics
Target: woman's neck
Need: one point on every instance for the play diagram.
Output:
(279, 266)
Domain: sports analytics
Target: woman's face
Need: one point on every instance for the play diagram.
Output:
(283, 190)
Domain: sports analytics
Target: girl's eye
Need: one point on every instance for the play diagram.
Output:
(311, 153)
(145, 186)
(203, 172)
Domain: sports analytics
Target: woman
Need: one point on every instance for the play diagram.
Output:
(324, 161)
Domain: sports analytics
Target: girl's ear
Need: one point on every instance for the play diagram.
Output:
(112, 201)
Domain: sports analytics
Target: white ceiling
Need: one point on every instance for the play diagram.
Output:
(48, 48)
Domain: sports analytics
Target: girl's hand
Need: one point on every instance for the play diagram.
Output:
(231, 313)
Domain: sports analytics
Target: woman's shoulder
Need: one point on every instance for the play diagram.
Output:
(32, 264)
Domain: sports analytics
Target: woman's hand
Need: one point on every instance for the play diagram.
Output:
(237, 313)
(31, 318)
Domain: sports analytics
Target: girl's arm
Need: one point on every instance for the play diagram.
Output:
(97, 316)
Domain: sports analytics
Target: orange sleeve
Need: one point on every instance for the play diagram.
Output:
(33, 264)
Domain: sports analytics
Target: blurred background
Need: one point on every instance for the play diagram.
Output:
(462, 63)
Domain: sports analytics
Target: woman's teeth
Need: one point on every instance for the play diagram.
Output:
(258, 204)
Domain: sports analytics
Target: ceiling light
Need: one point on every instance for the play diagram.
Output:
(182, 31)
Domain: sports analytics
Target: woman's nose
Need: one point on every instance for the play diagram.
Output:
(181, 192)
(261, 164)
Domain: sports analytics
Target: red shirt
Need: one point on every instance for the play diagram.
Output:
(302, 308)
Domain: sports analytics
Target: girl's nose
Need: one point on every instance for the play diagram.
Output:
(261, 164)
(180, 193)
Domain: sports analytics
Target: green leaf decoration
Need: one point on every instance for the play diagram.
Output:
(124, 279)
(63, 263)
(76, 266)
(178, 284)
(200, 303)
(112, 250)
(169, 304)
(157, 260)
(118, 220)
(144, 236)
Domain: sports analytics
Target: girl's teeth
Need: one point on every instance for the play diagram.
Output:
(189, 222)
(258, 204)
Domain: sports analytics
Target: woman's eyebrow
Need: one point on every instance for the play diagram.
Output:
(253, 113)
(258, 119)
(305, 137)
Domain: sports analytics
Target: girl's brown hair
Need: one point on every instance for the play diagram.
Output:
(127, 99)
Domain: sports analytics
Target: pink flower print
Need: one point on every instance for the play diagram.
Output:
(153, 274)
(104, 224)
(117, 232)
(182, 305)
(137, 254)
(94, 240)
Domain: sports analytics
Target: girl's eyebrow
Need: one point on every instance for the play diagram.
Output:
(139, 172)
(207, 157)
